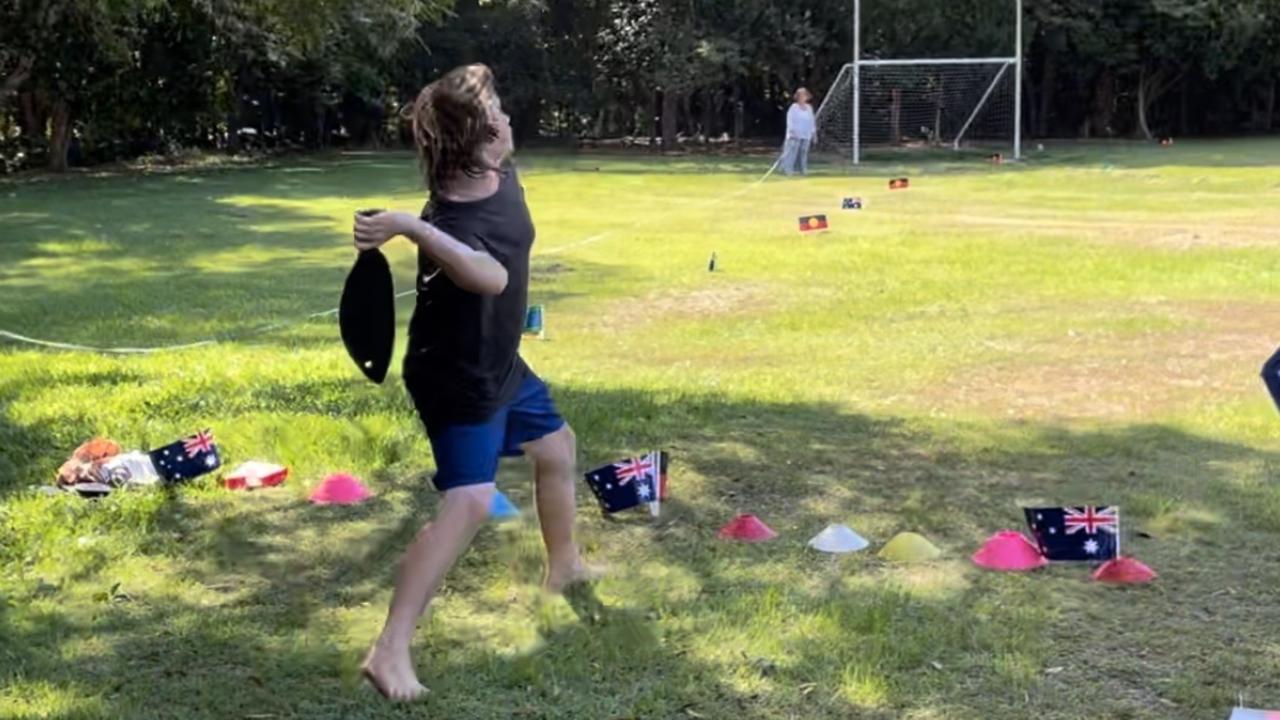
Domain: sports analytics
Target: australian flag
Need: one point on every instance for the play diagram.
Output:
(187, 458)
(631, 482)
(1090, 533)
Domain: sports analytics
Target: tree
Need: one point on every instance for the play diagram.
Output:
(102, 79)
(68, 48)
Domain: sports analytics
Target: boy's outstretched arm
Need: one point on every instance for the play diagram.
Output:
(470, 269)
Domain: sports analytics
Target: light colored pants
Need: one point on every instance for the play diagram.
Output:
(795, 156)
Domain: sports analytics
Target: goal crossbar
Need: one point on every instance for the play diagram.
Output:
(940, 61)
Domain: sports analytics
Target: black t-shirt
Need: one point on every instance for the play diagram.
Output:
(463, 360)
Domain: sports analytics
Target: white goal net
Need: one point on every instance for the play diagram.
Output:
(951, 104)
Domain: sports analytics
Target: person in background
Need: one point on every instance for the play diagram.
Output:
(801, 130)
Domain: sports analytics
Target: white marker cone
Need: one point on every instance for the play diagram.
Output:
(838, 539)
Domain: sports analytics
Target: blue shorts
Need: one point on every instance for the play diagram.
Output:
(468, 454)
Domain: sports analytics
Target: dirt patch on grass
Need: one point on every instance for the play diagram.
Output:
(1224, 236)
(721, 300)
(1180, 235)
(547, 271)
(1215, 353)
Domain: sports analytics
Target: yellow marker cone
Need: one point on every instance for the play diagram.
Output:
(909, 547)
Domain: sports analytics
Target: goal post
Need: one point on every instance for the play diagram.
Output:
(952, 102)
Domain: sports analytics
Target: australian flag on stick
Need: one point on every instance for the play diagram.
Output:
(187, 458)
(631, 482)
(1089, 534)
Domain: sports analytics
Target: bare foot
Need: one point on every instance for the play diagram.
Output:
(391, 673)
(561, 576)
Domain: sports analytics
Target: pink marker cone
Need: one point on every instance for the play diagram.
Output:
(340, 489)
(1009, 551)
(747, 528)
(1124, 571)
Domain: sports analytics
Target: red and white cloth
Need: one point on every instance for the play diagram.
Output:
(256, 474)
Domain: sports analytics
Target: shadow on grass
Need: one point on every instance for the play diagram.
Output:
(31, 451)
(268, 302)
(278, 573)
(126, 260)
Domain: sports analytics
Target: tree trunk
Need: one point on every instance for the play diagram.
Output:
(34, 117)
(15, 79)
(655, 116)
(686, 114)
(1048, 79)
(59, 136)
(1184, 121)
(735, 102)
(1031, 99)
(233, 133)
(321, 131)
(708, 112)
(670, 106)
(1262, 108)
(1271, 107)
(1103, 104)
(235, 115)
(527, 121)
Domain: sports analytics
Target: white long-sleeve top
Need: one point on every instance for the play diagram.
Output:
(800, 123)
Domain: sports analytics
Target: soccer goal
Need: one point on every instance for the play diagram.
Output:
(908, 103)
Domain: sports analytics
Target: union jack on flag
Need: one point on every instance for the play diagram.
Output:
(1091, 519)
(631, 482)
(187, 458)
(633, 468)
(201, 442)
(1089, 533)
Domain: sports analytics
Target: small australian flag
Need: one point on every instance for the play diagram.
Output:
(187, 458)
(631, 482)
(1089, 534)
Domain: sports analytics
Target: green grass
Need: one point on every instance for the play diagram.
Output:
(1086, 326)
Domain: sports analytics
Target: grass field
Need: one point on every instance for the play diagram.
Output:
(1084, 327)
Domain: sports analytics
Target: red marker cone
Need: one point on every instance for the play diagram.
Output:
(1124, 571)
(340, 489)
(1009, 551)
(747, 528)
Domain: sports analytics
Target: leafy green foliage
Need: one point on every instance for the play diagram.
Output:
(93, 80)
